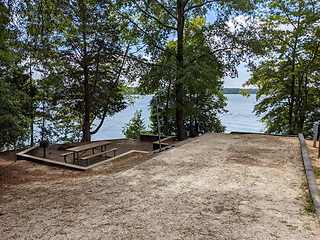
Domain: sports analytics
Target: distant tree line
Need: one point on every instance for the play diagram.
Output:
(238, 90)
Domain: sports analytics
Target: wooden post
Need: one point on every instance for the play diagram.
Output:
(315, 133)
(15, 151)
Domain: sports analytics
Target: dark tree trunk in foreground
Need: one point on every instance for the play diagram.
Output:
(86, 123)
(179, 85)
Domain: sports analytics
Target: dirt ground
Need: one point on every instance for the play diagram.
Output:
(14, 174)
(219, 186)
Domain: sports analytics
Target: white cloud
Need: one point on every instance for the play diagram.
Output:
(244, 75)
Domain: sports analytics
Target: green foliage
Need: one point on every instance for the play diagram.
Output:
(191, 67)
(136, 126)
(13, 123)
(200, 115)
(15, 90)
(316, 171)
(166, 114)
(77, 48)
(202, 85)
(82, 47)
(288, 78)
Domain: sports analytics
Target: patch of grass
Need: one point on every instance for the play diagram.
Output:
(310, 207)
(304, 183)
(316, 171)
(291, 227)
(308, 228)
(293, 185)
(284, 221)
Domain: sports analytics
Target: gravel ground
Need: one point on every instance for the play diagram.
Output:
(219, 186)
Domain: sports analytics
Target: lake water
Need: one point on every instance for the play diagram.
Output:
(239, 118)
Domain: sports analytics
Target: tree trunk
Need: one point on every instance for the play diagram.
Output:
(196, 127)
(179, 85)
(32, 130)
(291, 104)
(87, 107)
(301, 105)
(87, 100)
(100, 124)
(31, 104)
(292, 92)
(304, 103)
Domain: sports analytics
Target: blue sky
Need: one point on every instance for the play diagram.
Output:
(243, 74)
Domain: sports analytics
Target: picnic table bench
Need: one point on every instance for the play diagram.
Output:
(65, 155)
(99, 154)
(101, 146)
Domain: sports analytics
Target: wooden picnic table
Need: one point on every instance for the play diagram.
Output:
(84, 148)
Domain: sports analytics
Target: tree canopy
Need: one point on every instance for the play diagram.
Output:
(181, 59)
(201, 84)
(83, 49)
(288, 78)
(81, 71)
(15, 90)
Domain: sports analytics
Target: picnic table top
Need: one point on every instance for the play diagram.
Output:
(88, 146)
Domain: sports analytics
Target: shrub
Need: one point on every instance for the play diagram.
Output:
(135, 126)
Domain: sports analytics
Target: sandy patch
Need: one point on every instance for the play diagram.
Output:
(219, 186)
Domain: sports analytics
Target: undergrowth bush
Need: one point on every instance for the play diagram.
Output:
(135, 126)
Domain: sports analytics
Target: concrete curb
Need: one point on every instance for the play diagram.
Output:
(313, 187)
(24, 156)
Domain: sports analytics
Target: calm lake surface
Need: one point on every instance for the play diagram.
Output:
(239, 118)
